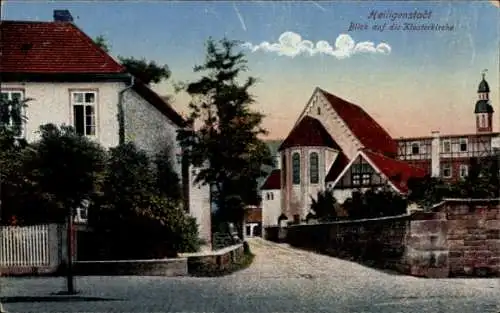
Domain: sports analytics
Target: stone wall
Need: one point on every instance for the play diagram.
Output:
(215, 261)
(458, 237)
(461, 237)
(275, 233)
(161, 267)
(380, 242)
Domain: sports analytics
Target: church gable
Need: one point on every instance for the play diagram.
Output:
(309, 133)
(359, 174)
(319, 108)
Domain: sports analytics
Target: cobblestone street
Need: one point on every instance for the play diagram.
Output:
(281, 279)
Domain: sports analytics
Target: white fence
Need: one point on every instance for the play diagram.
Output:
(24, 246)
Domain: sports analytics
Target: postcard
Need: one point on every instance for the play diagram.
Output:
(250, 156)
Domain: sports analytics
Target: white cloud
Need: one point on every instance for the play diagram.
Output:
(291, 44)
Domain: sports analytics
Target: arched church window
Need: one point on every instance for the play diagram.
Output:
(296, 168)
(313, 168)
(483, 121)
(283, 165)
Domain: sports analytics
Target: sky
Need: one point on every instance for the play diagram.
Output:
(411, 81)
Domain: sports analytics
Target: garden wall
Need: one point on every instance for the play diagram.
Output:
(380, 242)
(161, 267)
(215, 261)
(459, 237)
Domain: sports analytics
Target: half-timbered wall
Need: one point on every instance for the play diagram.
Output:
(455, 153)
(360, 175)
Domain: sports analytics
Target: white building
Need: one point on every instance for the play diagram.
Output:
(72, 81)
(271, 199)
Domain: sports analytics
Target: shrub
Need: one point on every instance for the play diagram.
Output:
(137, 218)
(374, 203)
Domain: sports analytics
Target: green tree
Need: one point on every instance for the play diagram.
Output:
(127, 185)
(102, 42)
(168, 182)
(147, 71)
(226, 148)
(131, 198)
(64, 167)
(324, 207)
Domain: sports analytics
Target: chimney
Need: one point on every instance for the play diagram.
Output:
(62, 16)
(435, 160)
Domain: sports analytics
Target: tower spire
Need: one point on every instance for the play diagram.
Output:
(483, 73)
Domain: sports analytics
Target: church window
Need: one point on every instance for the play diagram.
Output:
(296, 168)
(314, 168)
(283, 165)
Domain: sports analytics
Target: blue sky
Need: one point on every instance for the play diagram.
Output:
(413, 89)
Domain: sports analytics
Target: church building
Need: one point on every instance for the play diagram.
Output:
(336, 145)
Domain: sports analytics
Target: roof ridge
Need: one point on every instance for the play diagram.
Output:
(32, 22)
(344, 100)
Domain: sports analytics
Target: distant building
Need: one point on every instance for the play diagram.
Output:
(451, 156)
(335, 144)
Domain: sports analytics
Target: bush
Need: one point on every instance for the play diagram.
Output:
(46, 178)
(139, 220)
(375, 203)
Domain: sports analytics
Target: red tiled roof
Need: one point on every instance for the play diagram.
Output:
(273, 181)
(397, 171)
(337, 167)
(51, 47)
(309, 132)
(363, 126)
(159, 103)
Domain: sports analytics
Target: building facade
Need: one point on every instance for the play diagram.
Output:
(69, 80)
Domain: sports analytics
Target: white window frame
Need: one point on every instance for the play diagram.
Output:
(447, 141)
(418, 148)
(9, 93)
(271, 196)
(356, 179)
(365, 179)
(73, 103)
(462, 168)
(447, 166)
(461, 141)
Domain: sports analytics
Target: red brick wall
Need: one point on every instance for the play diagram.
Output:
(462, 237)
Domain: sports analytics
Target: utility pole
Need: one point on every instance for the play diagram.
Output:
(69, 243)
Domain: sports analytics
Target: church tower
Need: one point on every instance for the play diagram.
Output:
(483, 110)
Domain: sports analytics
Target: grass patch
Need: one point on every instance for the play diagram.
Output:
(199, 269)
